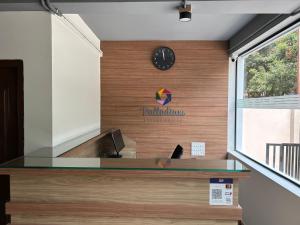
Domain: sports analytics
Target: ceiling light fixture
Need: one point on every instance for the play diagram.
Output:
(185, 12)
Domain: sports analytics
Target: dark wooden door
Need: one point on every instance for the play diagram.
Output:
(11, 110)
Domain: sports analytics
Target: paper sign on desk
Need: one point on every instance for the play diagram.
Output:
(221, 191)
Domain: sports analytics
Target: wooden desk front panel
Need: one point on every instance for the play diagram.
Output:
(98, 199)
(92, 188)
(59, 220)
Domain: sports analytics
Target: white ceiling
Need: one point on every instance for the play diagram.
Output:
(211, 19)
(165, 26)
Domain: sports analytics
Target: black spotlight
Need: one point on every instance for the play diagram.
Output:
(185, 12)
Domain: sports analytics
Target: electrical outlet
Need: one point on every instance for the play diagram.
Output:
(198, 148)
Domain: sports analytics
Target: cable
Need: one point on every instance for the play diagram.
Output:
(46, 4)
(82, 34)
(295, 12)
(54, 10)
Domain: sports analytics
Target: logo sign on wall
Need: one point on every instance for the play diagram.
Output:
(163, 97)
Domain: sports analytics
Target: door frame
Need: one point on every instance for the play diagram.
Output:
(18, 65)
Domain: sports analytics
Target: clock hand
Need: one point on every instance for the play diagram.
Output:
(163, 52)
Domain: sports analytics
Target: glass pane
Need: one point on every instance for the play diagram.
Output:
(271, 137)
(128, 164)
(273, 69)
(268, 105)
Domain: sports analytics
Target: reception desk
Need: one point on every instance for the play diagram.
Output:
(100, 191)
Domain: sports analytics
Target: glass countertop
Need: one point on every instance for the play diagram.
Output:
(127, 164)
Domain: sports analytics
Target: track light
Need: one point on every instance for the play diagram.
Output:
(185, 12)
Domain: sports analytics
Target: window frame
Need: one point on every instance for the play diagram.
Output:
(281, 179)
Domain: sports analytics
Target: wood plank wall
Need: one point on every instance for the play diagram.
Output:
(198, 82)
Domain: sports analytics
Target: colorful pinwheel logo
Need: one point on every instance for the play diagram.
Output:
(163, 96)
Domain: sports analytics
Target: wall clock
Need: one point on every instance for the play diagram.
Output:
(163, 58)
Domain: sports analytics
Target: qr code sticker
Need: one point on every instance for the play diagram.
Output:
(216, 194)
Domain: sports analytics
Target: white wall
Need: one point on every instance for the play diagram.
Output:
(266, 203)
(61, 77)
(75, 81)
(27, 36)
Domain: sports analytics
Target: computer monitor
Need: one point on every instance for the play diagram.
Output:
(177, 152)
(111, 144)
(118, 142)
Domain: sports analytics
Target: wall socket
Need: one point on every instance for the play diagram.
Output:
(198, 149)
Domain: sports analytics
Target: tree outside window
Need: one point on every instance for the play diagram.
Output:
(274, 69)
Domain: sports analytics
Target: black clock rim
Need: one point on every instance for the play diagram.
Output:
(153, 56)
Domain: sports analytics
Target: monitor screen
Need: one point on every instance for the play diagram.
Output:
(118, 140)
(177, 152)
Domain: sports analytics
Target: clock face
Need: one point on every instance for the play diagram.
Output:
(163, 58)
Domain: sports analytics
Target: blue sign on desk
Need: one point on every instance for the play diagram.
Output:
(221, 180)
(221, 191)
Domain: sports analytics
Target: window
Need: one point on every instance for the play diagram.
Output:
(268, 104)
